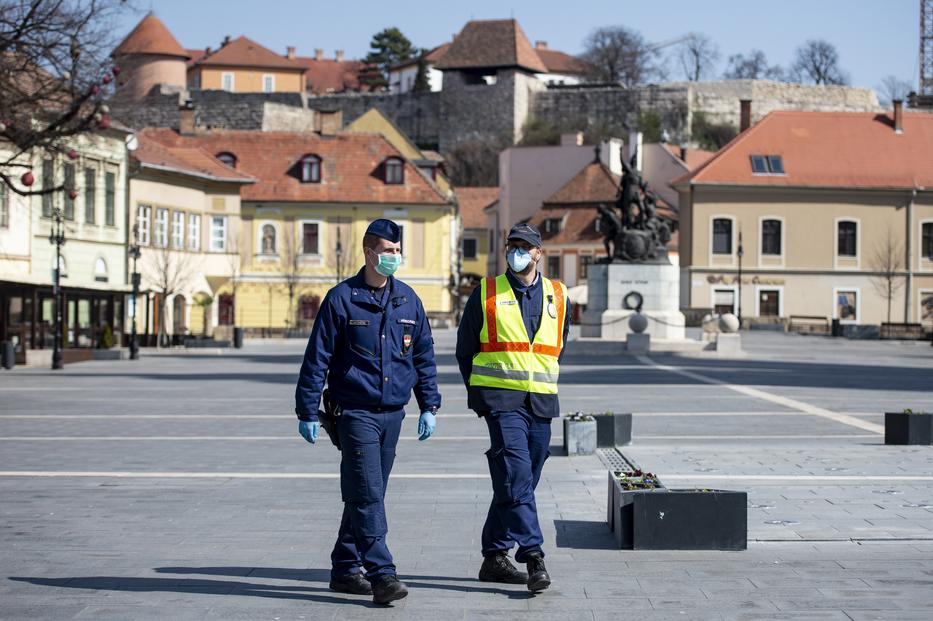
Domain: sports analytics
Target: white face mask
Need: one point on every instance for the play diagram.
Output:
(518, 259)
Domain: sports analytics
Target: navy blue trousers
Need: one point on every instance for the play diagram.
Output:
(519, 447)
(368, 441)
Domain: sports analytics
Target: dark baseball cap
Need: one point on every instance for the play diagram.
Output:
(525, 232)
(386, 229)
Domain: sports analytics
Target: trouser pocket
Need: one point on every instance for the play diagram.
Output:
(361, 474)
(500, 473)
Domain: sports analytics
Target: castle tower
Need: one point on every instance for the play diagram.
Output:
(489, 77)
(149, 56)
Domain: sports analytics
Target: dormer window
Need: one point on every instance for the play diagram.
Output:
(394, 171)
(310, 169)
(552, 225)
(767, 165)
(227, 158)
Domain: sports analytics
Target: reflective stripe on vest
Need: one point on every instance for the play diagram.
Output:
(507, 358)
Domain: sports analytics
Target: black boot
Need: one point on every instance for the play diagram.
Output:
(388, 589)
(497, 568)
(355, 584)
(538, 578)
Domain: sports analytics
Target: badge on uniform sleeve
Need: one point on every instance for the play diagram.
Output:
(406, 343)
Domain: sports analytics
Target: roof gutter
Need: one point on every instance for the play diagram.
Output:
(189, 173)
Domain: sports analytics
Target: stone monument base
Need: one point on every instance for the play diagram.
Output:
(609, 284)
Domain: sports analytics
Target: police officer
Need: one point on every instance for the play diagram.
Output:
(372, 343)
(509, 346)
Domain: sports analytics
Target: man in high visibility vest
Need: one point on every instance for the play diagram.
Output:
(509, 346)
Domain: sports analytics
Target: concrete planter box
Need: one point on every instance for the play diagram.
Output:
(678, 519)
(613, 429)
(908, 428)
(579, 436)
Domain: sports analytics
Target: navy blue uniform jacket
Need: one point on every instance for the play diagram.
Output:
(372, 352)
(482, 399)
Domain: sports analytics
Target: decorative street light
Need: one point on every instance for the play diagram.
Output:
(57, 237)
(134, 253)
(738, 304)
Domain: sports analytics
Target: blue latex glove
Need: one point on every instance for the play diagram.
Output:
(308, 430)
(426, 425)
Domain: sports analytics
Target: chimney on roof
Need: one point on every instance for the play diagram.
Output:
(207, 51)
(540, 45)
(225, 41)
(328, 122)
(290, 52)
(338, 56)
(683, 152)
(573, 139)
(745, 114)
(898, 116)
(318, 54)
(186, 121)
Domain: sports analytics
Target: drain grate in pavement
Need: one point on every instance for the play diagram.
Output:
(615, 460)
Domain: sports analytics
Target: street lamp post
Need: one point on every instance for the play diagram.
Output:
(57, 237)
(134, 254)
(738, 304)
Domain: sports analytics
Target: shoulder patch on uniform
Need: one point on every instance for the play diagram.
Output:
(359, 322)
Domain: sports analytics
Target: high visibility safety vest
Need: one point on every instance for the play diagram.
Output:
(506, 358)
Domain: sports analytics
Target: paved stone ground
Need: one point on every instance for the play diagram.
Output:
(176, 487)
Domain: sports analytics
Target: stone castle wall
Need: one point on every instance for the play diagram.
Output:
(418, 115)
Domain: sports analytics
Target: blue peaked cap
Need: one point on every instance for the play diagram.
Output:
(386, 229)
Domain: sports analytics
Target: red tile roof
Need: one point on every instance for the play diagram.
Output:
(472, 203)
(431, 57)
(351, 166)
(329, 75)
(594, 184)
(195, 55)
(150, 36)
(244, 52)
(488, 44)
(578, 224)
(828, 149)
(192, 161)
(695, 157)
(561, 62)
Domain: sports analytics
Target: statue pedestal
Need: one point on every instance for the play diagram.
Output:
(608, 284)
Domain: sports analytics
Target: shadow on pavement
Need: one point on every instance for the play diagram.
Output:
(584, 535)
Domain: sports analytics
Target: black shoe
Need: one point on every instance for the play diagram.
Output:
(388, 589)
(538, 578)
(354, 584)
(497, 568)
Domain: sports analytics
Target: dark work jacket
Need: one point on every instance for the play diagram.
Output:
(483, 399)
(371, 349)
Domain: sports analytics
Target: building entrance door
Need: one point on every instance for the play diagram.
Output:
(769, 303)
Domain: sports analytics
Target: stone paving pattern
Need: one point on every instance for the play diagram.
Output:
(825, 542)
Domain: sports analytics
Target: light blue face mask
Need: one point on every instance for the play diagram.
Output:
(518, 259)
(388, 264)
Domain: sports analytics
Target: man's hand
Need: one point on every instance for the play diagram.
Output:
(426, 425)
(308, 430)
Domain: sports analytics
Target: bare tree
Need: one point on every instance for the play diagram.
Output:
(54, 75)
(893, 87)
(291, 271)
(169, 271)
(698, 55)
(475, 162)
(342, 250)
(752, 67)
(888, 263)
(620, 55)
(235, 264)
(817, 61)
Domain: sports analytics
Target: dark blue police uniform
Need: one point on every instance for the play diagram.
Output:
(519, 429)
(373, 348)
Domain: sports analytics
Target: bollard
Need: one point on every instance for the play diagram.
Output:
(7, 355)
(238, 338)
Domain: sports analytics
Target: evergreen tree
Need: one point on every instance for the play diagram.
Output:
(422, 85)
(388, 47)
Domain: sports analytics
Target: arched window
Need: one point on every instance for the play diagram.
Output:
(100, 270)
(227, 158)
(394, 171)
(310, 169)
(179, 324)
(268, 239)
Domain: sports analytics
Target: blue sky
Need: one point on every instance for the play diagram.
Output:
(874, 38)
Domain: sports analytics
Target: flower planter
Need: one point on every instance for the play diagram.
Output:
(678, 519)
(613, 429)
(908, 428)
(579, 435)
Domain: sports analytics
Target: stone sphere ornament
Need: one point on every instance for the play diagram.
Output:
(710, 323)
(728, 323)
(638, 323)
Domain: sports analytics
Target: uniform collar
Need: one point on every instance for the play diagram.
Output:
(362, 292)
(520, 287)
